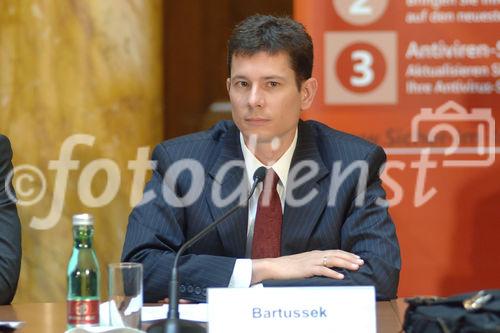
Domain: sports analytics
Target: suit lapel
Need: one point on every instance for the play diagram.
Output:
(233, 231)
(299, 222)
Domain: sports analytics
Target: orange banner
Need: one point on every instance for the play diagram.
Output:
(422, 79)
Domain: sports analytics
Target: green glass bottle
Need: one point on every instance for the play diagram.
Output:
(83, 275)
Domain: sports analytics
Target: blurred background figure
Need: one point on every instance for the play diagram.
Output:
(10, 229)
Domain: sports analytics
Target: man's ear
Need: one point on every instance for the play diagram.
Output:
(307, 92)
(228, 84)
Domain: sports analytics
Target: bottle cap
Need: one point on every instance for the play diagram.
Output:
(83, 219)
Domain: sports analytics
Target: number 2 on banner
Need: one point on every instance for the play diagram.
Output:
(360, 12)
(363, 62)
(360, 7)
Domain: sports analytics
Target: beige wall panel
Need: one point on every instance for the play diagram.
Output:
(77, 67)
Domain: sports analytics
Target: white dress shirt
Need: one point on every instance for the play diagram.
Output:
(242, 272)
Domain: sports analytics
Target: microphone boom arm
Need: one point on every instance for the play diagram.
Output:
(173, 309)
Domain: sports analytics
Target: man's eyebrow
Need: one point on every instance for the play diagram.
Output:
(238, 77)
(271, 77)
(274, 77)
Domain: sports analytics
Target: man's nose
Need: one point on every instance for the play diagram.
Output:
(256, 97)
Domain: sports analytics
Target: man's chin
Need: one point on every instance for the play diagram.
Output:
(259, 137)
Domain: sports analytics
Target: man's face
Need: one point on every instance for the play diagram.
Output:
(264, 97)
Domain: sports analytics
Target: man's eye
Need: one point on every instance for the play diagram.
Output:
(242, 84)
(273, 84)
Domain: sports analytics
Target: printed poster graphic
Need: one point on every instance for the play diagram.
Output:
(421, 79)
(447, 118)
(360, 12)
(360, 68)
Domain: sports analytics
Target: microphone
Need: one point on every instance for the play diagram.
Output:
(173, 324)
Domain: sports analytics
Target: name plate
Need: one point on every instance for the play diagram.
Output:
(298, 309)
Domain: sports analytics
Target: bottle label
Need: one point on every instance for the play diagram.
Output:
(83, 312)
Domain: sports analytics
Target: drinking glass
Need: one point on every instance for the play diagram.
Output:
(125, 294)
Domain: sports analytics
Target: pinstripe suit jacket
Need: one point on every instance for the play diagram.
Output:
(10, 229)
(156, 229)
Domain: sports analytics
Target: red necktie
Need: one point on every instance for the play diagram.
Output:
(267, 229)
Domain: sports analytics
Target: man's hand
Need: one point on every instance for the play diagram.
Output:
(304, 265)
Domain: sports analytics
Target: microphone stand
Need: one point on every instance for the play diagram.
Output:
(173, 324)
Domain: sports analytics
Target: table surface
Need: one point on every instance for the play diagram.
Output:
(51, 317)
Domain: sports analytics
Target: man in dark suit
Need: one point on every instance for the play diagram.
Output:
(318, 218)
(10, 228)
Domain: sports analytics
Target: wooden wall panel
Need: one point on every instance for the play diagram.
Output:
(78, 66)
(196, 32)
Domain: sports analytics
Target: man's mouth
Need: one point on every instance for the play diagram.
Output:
(257, 120)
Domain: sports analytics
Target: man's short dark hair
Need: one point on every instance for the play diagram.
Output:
(273, 35)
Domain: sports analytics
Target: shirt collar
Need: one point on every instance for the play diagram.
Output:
(281, 167)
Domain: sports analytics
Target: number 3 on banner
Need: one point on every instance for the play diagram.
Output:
(360, 12)
(363, 62)
(361, 67)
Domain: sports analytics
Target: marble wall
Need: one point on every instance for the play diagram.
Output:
(69, 67)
